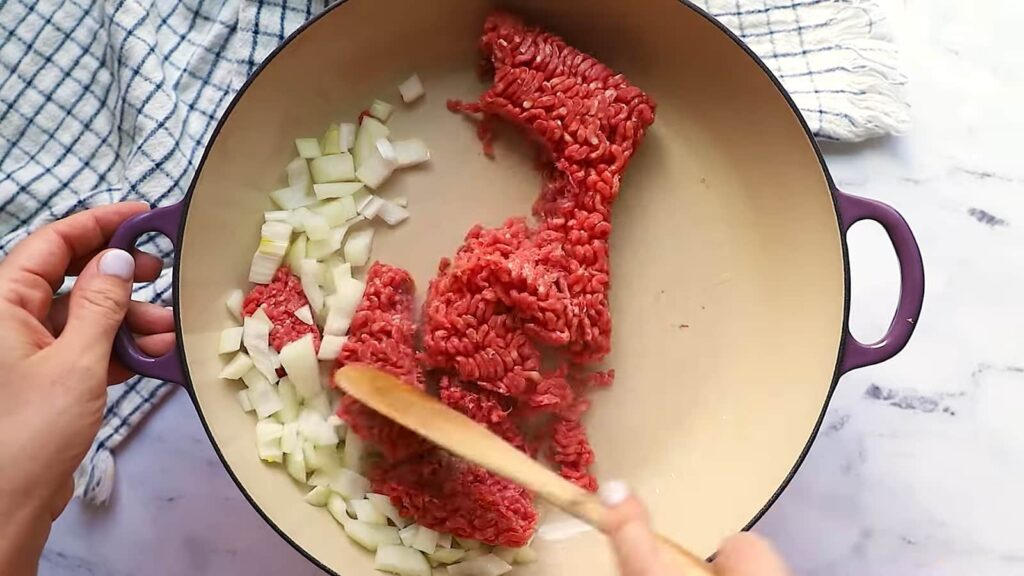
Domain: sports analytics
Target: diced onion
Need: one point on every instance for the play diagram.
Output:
(357, 248)
(289, 411)
(370, 208)
(346, 136)
(263, 267)
(383, 505)
(309, 278)
(381, 110)
(276, 216)
(268, 440)
(333, 168)
(256, 337)
(411, 89)
(366, 512)
(505, 553)
(391, 213)
(299, 178)
(315, 225)
(446, 556)
(526, 555)
(314, 427)
(425, 540)
(329, 143)
(230, 340)
(336, 211)
(317, 496)
(488, 565)
(297, 253)
(330, 347)
(349, 484)
(304, 314)
(237, 367)
(369, 536)
(401, 561)
(321, 249)
(290, 441)
(338, 508)
(408, 534)
(410, 152)
(376, 168)
(444, 540)
(370, 130)
(263, 395)
(402, 201)
(234, 303)
(329, 190)
(292, 197)
(299, 361)
(244, 401)
(354, 448)
(295, 464)
(307, 147)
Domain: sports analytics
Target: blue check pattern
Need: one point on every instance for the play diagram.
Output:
(110, 100)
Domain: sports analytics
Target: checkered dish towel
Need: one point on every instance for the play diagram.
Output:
(110, 100)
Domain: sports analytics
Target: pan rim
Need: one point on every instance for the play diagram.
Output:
(187, 200)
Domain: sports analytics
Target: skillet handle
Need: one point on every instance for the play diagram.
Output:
(167, 221)
(853, 209)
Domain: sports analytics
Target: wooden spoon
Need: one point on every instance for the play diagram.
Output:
(464, 437)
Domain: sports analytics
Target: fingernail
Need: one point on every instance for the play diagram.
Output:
(613, 492)
(118, 263)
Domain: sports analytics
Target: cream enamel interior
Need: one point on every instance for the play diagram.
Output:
(728, 276)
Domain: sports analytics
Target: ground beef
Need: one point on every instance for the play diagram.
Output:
(279, 300)
(515, 297)
(382, 335)
(451, 495)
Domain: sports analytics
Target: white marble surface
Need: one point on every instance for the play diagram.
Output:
(918, 468)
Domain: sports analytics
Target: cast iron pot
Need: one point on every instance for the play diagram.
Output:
(731, 281)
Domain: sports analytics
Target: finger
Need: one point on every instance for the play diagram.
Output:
(35, 267)
(142, 317)
(632, 539)
(147, 266)
(99, 302)
(748, 554)
(155, 345)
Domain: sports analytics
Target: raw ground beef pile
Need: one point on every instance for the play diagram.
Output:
(280, 299)
(511, 323)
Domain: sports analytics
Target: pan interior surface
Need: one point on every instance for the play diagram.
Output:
(728, 283)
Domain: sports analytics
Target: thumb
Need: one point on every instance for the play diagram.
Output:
(99, 301)
(634, 543)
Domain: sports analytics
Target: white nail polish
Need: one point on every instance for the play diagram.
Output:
(613, 492)
(117, 263)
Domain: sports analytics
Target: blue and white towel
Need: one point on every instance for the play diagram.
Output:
(109, 100)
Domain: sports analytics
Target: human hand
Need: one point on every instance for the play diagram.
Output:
(55, 364)
(640, 554)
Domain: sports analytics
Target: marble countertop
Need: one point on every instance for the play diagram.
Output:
(918, 466)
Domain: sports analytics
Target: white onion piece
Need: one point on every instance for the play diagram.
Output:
(391, 213)
(370, 208)
(256, 338)
(313, 224)
(410, 152)
(338, 508)
(289, 401)
(322, 249)
(376, 168)
(505, 553)
(348, 293)
(292, 197)
(366, 512)
(357, 247)
(447, 556)
(324, 459)
(401, 561)
(276, 216)
(230, 340)
(244, 401)
(336, 211)
(299, 177)
(444, 540)
(333, 168)
(408, 534)
(330, 347)
(307, 147)
(336, 189)
(309, 278)
(381, 110)
(318, 478)
(402, 201)
(354, 449)
(383, 505)
(339, 273)
(425, 540)
(290, 441)
(263, 267)
(296, 254)
(370, 130)
(411, 89)
(295, 464)
(268, 440)
(234, 303)
(304, 314)
(237, 367)
(280, 232)
(318, 496)
(263, 395)
(369, 536)
(329, 143)
(346, 136)
(299, 361)
(488, 565)
(349, 484)
(526, 555)
(468, 543)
